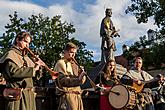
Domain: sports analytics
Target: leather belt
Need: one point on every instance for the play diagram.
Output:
(73, 92)
(28, 89)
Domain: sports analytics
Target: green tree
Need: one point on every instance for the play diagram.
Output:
(153, 53)
(158, 55)
(143, 9)
(49, 38)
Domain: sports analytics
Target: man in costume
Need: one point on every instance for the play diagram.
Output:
(107, 32)
(135, 77)
(69, 80)
(18, 70)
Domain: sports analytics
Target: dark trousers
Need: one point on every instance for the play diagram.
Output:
(160, 106)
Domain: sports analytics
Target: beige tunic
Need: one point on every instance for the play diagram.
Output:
(70, 83)
(144, 97)
(19, 76)
(135, 74)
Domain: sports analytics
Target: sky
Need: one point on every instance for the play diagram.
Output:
(85, 15)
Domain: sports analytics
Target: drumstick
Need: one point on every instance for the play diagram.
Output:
(99, 88)
(117, 93)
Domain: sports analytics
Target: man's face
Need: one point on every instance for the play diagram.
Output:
(138, 63)
(71, 53)
(24, 42)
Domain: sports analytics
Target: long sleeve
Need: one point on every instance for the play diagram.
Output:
(125, 79)
(66, 77)
(68, 81)
(14, 71)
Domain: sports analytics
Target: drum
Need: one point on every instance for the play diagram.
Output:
(122, 97)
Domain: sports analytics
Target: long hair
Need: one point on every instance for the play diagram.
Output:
(108, 74)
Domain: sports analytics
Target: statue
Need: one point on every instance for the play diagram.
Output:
(107, 32)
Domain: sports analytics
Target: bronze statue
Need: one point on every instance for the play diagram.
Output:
(107, 32)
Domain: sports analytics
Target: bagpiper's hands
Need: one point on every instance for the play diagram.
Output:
(39, 63)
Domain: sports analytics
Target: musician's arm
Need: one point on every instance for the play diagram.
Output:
(125, 79)
(14, 71)
(156, 82)
(68, 81)
(64, 79)
(147, 76)
(152, 84)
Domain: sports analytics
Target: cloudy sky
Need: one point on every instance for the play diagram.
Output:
(85, 15)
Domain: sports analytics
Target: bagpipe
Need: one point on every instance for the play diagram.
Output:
(54, 74)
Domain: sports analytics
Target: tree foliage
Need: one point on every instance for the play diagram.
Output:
(153, 55)
(152, 52)
(143, 9)
(49, 37)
